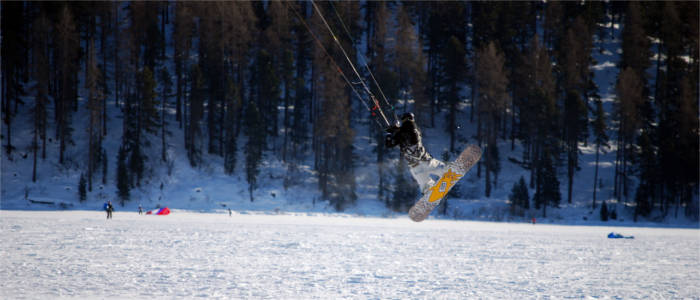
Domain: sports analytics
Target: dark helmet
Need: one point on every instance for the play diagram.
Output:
(407, 116)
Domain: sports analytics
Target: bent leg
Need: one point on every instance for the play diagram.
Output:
(426, 173)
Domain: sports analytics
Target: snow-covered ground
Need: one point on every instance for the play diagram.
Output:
(80, 254)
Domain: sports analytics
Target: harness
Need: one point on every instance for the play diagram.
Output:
(416, 153)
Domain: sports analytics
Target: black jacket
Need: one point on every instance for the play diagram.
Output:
(405, 136)
(408, 138)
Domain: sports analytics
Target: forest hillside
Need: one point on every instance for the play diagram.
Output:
(585, 110)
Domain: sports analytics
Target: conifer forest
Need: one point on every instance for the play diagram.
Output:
(242, 83)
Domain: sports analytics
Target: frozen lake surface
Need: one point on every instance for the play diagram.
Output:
(79, 254)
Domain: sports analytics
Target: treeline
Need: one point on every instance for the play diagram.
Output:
(268, 78)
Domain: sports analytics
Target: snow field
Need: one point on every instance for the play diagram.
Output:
(80, 254)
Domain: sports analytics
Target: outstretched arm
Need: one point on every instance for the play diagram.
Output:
(391, 137)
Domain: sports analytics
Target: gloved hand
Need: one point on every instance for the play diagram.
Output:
(389, 141)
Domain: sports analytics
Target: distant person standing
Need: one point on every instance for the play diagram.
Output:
(140, 209)
(110, 209)
(229, 212)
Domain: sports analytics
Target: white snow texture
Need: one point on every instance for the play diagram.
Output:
(80, 254)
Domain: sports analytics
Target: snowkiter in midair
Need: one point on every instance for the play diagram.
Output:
(424, 168)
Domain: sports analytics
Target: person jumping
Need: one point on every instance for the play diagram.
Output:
(424, 168)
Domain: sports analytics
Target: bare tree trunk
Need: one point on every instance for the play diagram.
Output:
(180, 85)
(570, 175)
(162, 126)
(617, 167)
(35, 146)
(103, 38)
(595, 177)
(474, 89)
(286, 120)
(117, 69)
(91, 150)
(479, 140)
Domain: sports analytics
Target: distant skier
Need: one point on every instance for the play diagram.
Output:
(408, 138)
(109, 209)
(140, 209)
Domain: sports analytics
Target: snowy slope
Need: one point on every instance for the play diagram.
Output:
(208, 188)
(79, 254)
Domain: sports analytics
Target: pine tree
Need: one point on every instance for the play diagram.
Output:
(334, 137)
(575, 71)
(211, 62)
(629, 96)
(194, 140)
(233, 104)
(601, 139)
(455, 74)
(67, 47)
(604, 212)
(105, 162)
(676, 100)
(136, 165)
(645, 189)
(536, 105)
(380, 52)
(145, 31)
(123, 185)
(409, 63)
(277, 37)
(635, 43)
(41, 88)
(148, 104)
(299, 130)
(82, 188)
(519, 198)
(256, 131)
(182, 45)
(495, 163)
(690, 147)
(13, 41)
(547, 185)
(165, 93)
(635, 59)
(267, 91)
(493, 83)
(95, 101)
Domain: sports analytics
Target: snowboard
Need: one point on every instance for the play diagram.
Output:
(454, 172)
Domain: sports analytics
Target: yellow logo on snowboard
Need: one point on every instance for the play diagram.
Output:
(443, 185)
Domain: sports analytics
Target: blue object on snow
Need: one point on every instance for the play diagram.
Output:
(614, 235)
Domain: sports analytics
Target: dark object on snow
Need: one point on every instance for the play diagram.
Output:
(109, 209)
(603, 212)
(41, 202)
(614, 235)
